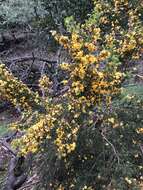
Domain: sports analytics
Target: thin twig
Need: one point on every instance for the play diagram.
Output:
(141, 148)
(7, 146)
(9, 138)
(114, 150)
(29, 185)
(28, 58)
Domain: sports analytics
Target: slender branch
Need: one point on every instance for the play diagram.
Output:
(141, 148)
(42, 73)
(28, 58)
(114, 150)
(55, 66)
(9, 138)
(64, 90)
(5, 143)
(7, 146)
(29, 185)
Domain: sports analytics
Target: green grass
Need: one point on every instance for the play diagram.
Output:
(3, 130)
(136, 90)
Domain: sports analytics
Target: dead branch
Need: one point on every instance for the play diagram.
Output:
(7, 146)
(141, 148)
(18, 171)
(55, 80)
(10, 177)
(28, 58)
(16, 176)
(11, 137)
(29, 185)
(64, 90)
(114, 150)
(5, 143)
(30, 182)
(19, 166)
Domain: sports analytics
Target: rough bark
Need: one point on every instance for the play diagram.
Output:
(17, 172)
(19, 166)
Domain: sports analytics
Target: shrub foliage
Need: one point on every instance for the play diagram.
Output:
(89, 137)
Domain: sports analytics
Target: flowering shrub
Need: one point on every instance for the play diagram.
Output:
(15, 91)
(92, 84)
(75, 127)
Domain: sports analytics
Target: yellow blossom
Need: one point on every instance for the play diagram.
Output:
(128, 180)
(64, 66)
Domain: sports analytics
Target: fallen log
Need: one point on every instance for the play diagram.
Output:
(18, 168)
(18, 171)
(13, 180)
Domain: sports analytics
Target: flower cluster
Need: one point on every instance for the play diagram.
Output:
(45, 85)
(121, 27)
(15, 91)
(66, 137)
(93, 75)
(39, 131)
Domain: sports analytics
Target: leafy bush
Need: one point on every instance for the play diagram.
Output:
(49, 14)
(3, 130)
(58, 10)
(20, 12)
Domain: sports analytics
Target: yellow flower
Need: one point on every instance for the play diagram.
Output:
(104, 20)
(104, 54)
(74, 37)
(65, 82)
(81, 72)
(90, 46)
(118, 75)
(61, 188)
(128, 180)
(111, 120)
(63, 40)
(91, 58)
(71, 147)
(100, 74)
(140, 131)
(69, 107)
(65, 66)
(79, 55)
(77, 87)
(76, 46)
